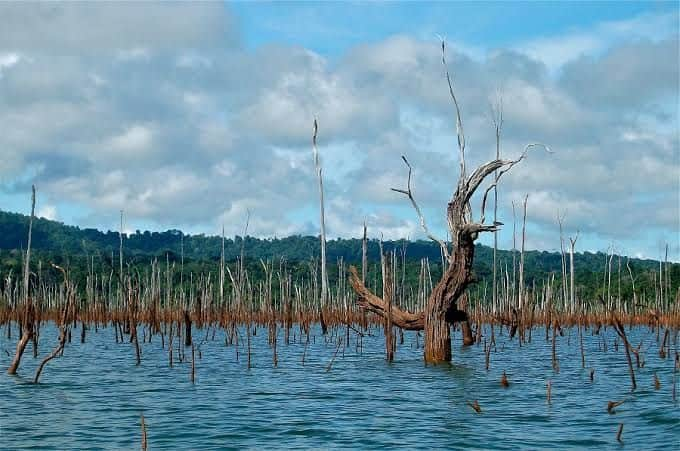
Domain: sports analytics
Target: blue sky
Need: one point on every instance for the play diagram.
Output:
(336, 26)
(191, 115)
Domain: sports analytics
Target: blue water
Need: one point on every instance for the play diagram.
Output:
(92, 397)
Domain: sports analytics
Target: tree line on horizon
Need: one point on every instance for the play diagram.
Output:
(80, 249)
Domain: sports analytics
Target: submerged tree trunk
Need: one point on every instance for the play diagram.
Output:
(187, 327)
(23, 341)
(437, 336)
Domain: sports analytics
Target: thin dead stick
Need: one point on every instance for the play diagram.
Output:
(618, 327)
(144, 441)
(330, 364)
(322, 223)
(423, 224)
(304, 353)
(193, 363)
(475, 406)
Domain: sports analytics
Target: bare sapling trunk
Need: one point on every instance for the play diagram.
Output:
(498, 126)
(621, 332)
(28, 321)
(572, 293)
(322, 225)
(387, 274)
(364, 269)
(443, 305)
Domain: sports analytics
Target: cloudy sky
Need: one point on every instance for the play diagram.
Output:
(190, 115)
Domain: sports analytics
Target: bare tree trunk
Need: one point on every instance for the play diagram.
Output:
(572, 295)
(21, 344)
(498, 125)
(322, 222)
(564, 265)
(222, 271)
(364, 269)
(387, 278)
(187, 328)
(29, 309)
(522, 300)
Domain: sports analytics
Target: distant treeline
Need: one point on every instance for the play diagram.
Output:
(54, 242)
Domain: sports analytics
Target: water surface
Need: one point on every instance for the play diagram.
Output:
(92, 397)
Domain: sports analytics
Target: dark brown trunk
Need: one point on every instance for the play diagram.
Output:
(187, 328)
(21, 347)
(468, 338)
(26, 336)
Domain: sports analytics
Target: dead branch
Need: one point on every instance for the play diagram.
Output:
(409, 193)
(63, 326)
(375, 304)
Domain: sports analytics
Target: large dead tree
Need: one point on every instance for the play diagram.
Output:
(446, 302)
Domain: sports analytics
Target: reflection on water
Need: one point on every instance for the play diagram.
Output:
(92, 397)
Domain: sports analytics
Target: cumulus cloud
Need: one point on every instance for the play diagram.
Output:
(48, 212)
(91, 27)
(158, 111)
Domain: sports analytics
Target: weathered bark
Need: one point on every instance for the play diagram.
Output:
(26, 336)
(372, 303)
(437, 336)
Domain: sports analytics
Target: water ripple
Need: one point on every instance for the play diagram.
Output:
(92, 398)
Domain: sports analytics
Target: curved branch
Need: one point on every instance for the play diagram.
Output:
(372, 303)
(486, 193)
(477, 177)
(409, 194)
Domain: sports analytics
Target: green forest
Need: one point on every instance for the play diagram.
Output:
(81, 250)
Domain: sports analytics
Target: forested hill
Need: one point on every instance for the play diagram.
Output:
(58, 242)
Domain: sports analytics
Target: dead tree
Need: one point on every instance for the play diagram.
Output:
(441, 308)
(69, 293)
(322, 222)
(28, 321)
(572, 297)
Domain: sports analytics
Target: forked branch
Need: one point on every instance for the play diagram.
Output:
(477, 177)
(423, 224)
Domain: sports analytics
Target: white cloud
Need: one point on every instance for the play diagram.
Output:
(556, 51)
(134, 139)
(92, 27)
(48, 212)
(195, 138)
